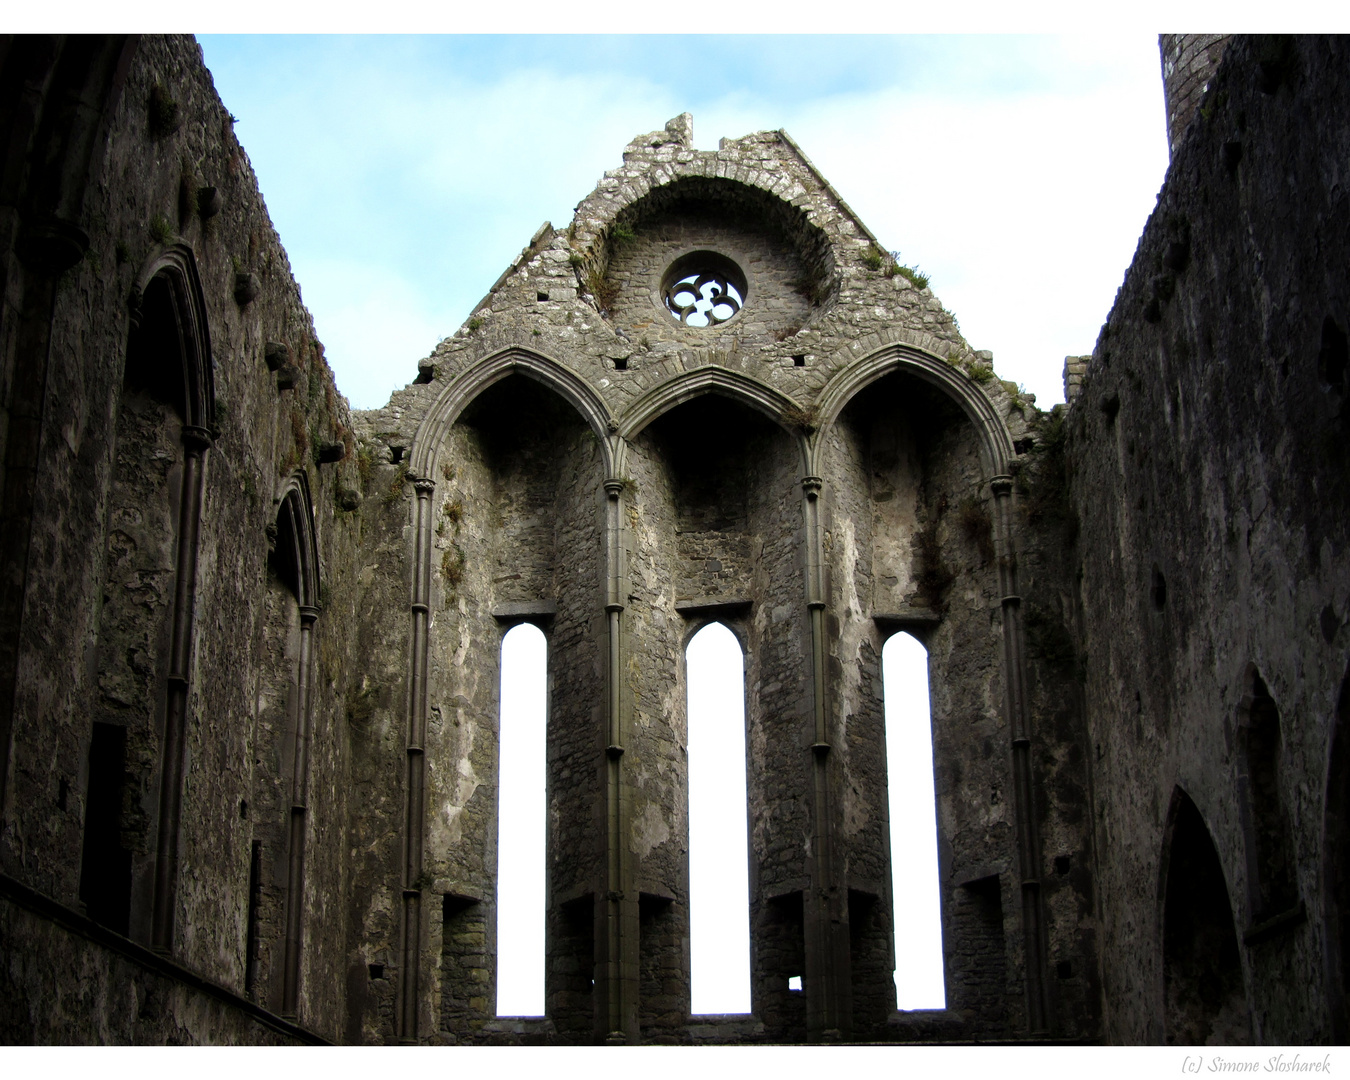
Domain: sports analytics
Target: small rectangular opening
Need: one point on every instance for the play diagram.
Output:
(542, 297)
(799, 360)
(621, 365)
(376, 970)
(105, 864)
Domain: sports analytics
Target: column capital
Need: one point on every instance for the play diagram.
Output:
(197, 440)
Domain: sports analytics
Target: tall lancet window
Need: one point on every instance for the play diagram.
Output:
(913, 808)
(521, 823)
(719, 885)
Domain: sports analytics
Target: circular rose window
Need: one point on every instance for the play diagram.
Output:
(703, 289)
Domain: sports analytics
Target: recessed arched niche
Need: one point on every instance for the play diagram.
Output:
(908, 518)
(1272, 885)
(141, 711)
(516, 536)
(771, 268)
(1204, 996)
(278, 807)
(145, 501)
(714, 516)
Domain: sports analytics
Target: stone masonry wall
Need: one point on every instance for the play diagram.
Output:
(63, 988)
(172, 171)
(821, 293)
(1188, 63)
(1209, 478)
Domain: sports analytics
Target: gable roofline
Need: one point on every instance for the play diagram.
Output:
(828, 187)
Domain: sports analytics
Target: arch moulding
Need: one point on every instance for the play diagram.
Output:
(995, 441)
(469, 384)
(179, 266)
(712, 379)
(295, 492)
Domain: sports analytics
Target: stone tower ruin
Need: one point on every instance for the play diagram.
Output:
(250, 639)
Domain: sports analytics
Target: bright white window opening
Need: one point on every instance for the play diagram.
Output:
(913, 805)
(521, 823)
(719, 883)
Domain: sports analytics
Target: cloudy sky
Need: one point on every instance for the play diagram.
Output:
(404, 173)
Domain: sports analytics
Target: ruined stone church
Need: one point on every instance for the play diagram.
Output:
(250, 639)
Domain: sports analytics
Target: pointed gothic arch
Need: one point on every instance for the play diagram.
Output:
(991, 444)
(174, 270)
(296, 560)
(1203, 989)
(154, 516)
(742, 389)
(295, 522)
(1272, 877)
(467, 386)
(995, 443)
(482, 405)
(167, 304)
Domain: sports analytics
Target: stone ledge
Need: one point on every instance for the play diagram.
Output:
(82, 926)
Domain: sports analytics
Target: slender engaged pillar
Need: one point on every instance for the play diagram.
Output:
(1015, 712)
(616, 939)
(415, 820)
(295, 877)
(828, 977)
(196, 442)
